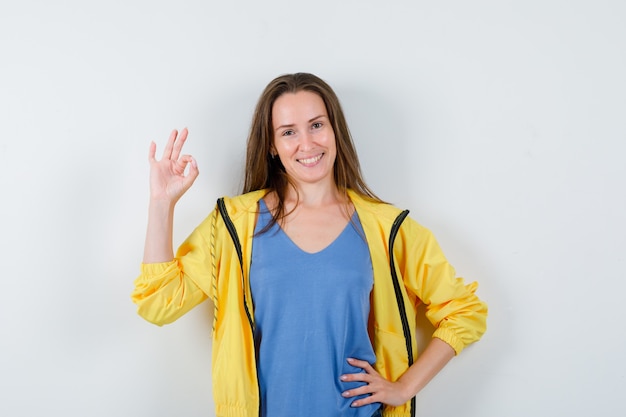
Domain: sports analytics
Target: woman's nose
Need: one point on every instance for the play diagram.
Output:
(306, 141)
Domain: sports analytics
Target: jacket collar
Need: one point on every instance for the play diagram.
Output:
(246, 203)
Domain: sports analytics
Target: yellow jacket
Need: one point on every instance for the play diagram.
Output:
(207, 265)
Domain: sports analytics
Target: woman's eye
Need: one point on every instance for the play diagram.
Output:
(288, 133)
(317, 125)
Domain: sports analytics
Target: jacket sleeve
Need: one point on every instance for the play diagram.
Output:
(166, 291)
(458, 315)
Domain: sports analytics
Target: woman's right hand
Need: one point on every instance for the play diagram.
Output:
(168, 181)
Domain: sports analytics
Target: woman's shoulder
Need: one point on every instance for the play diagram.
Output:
(243, 203)
(385, 214)
(378, 208)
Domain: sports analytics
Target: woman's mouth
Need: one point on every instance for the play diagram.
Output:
(311, 161)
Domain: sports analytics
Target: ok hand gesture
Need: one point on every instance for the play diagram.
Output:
(168, 181)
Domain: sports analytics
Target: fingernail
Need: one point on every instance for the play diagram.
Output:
(343, 377)
(345, 394)
(350, 360)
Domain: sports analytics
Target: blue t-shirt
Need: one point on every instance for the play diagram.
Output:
(311, 312)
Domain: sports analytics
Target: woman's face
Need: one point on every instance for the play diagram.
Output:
(304, 138)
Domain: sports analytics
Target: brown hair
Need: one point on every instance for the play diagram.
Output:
(263, 171)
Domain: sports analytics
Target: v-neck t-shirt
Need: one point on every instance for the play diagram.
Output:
(311, 312)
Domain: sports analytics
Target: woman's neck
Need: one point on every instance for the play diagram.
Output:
(313, 195)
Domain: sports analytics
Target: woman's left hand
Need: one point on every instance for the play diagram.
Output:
(379, 389)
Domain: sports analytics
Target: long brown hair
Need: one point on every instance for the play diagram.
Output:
(264, 171)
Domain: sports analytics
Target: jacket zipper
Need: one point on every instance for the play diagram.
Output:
(233, 234)
(399, 299)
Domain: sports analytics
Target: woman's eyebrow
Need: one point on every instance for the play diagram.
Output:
(293, 124)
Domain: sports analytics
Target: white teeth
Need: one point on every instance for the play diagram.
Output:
(311, 160)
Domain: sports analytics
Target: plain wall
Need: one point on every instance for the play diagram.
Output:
(500, 124)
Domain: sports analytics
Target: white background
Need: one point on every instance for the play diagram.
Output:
(500, 124)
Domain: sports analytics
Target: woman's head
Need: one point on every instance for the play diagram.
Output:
(304, 139)
(263, 170)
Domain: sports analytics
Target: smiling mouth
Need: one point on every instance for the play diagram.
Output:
(312, 160)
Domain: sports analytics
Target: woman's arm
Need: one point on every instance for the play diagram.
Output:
(162, 292)
(168, 183)
(436, 355)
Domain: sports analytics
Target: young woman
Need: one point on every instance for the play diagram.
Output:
(314, 280)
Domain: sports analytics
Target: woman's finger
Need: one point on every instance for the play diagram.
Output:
(169, 146)
(355, 392)
(192, 174)
(152, 152)
(178, 144)
(182, 163)
(365, 365)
